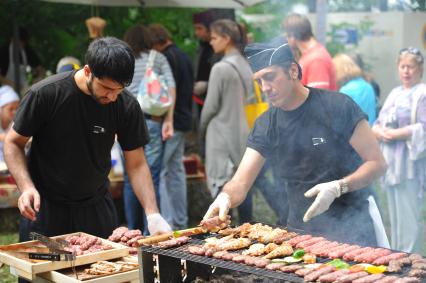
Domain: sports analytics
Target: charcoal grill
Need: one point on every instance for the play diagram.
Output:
(178, 265)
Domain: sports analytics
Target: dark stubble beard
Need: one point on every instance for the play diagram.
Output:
(89, 85)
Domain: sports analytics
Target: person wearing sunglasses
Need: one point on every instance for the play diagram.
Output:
(401, 131)
(73, 119)
(321, 143)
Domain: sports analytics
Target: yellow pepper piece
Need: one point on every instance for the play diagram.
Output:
(375, 269)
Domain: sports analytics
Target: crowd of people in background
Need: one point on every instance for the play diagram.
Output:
(209, 97)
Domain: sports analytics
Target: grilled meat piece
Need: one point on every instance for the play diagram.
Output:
(133, 242)
(298, 239)
(271, 236)
(214, 224)
(255, 250)
(291, 268)
(419, 265)
(415, 256)
(331, 277)
(348, 278)
(422, 260)
(283, 250)
(316, 245)
(394, 266)
(387, 279)
(228, 256)
(404, 261)
(304, 271)
(270, 247)
(229, 231)
(408, 280)
(385, 259)
(274, 266)
(196, 250)
(261, 262)
(313, 276)
(352, 254)
(234, 244)
(340, 252)
(170, 243)
(117, 234)
(285, 237)
(369, 257)
(219, 254)
(319, 251)
(132, 233)
(419, 273)
(239, 258)
(369, 278)
(309, 242)
(250, 260)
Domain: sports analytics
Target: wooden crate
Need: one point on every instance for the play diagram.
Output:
(67, 275)
(29, 268)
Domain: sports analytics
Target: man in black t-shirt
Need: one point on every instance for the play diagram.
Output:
(322, 145)
(73, 119)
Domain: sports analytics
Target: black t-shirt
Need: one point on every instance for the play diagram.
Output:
(70, 155)
(310, 145)
(205, 61)
(183, 74)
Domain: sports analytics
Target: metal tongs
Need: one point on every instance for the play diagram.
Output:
(55, 246)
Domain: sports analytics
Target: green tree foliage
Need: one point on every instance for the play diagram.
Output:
(58, 29)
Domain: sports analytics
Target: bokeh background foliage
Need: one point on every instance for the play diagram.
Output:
(57, 30)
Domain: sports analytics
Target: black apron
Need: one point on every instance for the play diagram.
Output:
(96, 216)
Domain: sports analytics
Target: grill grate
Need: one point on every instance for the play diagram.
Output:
(182, 253)
(202, 266)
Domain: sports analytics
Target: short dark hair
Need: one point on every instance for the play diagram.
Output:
(298, 26)
(159, 34)
(139, 39)
(109, 57)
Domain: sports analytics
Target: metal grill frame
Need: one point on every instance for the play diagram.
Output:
(178, 265)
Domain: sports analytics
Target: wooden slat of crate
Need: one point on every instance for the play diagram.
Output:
(67, 275)
(55, 276)
(27, 267)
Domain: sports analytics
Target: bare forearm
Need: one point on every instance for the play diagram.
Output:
(141, 181)
(169, 115)
(237, 192)
(17, 166)
(366, 174)
(401, 134)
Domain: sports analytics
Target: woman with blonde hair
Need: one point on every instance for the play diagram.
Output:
(351, 82)
(401, 131)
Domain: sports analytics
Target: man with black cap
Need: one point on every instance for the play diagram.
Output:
(321, 143)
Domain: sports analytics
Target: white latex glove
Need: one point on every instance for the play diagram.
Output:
(326, 193)
(200, 87)
(220, 206)
(157, 224)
